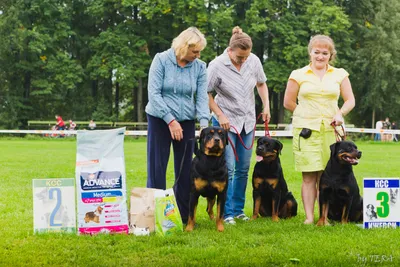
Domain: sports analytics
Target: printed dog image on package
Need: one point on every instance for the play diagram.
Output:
(168, 218)
(142, 209)
(100, 180)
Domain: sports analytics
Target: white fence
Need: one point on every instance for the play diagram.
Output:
(144, 133)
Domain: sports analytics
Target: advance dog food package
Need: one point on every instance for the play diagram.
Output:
(168, 218)
(100, 181)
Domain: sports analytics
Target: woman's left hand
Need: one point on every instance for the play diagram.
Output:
(338, 119)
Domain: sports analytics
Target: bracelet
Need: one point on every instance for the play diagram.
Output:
(171, 122)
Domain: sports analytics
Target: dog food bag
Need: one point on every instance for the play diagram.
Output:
(141, 215)
(168, 218)
(100, 180)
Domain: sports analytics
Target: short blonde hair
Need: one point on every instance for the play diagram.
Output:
(240, 39)
(191, 37)
(324, 40)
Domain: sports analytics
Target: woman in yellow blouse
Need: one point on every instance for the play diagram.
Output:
(316, 87)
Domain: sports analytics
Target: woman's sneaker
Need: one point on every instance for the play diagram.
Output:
(229, 220)
(242, 217)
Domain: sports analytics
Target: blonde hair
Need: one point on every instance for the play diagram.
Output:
(240, 39)
(191, 37)
(324, 40)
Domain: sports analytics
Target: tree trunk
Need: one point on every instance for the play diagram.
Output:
(108, 94)
(116, 103)
(280, 107)
(95, 87)
(373, 119)
(26, 95)
(275, 107)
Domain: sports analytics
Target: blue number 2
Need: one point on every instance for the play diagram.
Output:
(53, 214)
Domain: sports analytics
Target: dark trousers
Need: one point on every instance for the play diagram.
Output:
(158, 149)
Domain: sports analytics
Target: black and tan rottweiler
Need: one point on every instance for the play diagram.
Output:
(209, 175)
(339, 195)
(270, 192)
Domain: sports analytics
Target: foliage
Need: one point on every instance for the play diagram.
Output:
(69, 57)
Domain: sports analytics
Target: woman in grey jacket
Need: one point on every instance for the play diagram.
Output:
(177, 92)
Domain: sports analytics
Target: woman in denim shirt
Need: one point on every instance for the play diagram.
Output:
(177, 92)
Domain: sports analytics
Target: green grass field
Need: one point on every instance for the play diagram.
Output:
(255, 243)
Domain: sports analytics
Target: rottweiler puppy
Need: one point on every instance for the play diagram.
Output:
(270, 192)
(209, 175)
(339, 195)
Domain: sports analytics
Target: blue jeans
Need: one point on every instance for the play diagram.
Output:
(237, 171)
(377, 137)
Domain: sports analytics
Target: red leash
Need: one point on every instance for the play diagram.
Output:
(254, 134)
(338, 136)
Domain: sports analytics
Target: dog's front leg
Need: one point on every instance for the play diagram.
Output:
(323, 206)
(221, 199)
(256, 197)
(256, 204)
(275, 207)
(194, 200)
(346, 211)
(276, 198)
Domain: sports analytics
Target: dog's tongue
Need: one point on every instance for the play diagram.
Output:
(259, 158)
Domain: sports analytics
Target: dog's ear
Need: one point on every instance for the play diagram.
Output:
(279, 146)
(333, 149)
(201, 140)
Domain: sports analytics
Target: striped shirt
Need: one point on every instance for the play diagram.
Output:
(235, 89)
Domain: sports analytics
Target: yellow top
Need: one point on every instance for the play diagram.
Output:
(317, 98)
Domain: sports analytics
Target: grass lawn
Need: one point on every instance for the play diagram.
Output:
(256, 243)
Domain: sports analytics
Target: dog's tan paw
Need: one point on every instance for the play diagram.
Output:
(220, 227)
(322, 222)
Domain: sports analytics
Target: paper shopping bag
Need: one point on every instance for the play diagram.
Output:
(141, 215)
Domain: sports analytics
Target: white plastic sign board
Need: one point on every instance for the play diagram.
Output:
(381, 203)
(54, 205)
(100, 180)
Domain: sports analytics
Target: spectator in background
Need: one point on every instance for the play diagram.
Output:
(72, 125)
(378, 127)
(92, 125)
(60, 125)
(386, 126)
(394, 127)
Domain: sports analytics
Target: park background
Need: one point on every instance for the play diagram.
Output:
(89, 59)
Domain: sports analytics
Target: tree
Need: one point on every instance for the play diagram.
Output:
(376, 61)
(35, 63)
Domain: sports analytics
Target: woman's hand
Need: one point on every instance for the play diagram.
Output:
(176, 130)
(338, 119)
(224, 122)
(266, 115)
